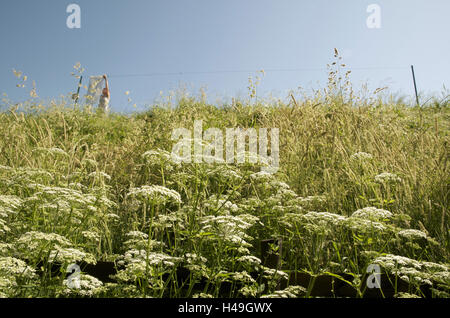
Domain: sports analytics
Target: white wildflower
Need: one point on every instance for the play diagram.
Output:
(364, 225)
(387, 177)
(137, 235)
(3, 227)
(289, 292)
(156, 192)
(192, 258)
(324, 218)
(87, 286)
(91, 236)
(243, 277)
(11, 202)
(372, 213)
(361, 156)
(261, 176)
(10, 266)
(406, 295)
(36, 240)
(412, 234)
(271, 273)
(249, 259)
(70, 255)
(202, 295)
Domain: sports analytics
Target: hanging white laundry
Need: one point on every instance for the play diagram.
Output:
(96, 84)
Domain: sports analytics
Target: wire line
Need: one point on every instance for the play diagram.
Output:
(250, 71)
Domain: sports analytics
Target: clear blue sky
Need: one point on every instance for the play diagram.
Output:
(169, 36)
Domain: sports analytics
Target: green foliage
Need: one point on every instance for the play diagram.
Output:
(79, 186)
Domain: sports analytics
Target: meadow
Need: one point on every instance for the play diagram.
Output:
(362, 184)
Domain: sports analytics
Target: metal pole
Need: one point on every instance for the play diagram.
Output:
(78, 90)
(415, 86)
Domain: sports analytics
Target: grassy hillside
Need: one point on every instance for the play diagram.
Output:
(357, 185)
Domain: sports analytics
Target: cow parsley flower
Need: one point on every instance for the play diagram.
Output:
(33, 245)
(412, 234)
(261, 176)
(202, 295)
(290, 292)
(406, 295)
(10, 203)
(70, 255)
(228, 227)
(372, 213)
(3, 227)
(271, 273)
(249, 259)
(361, 156)
(242, 277)
(10, 266)
(364, 225)
(86, 286)
(35, 240)
(156, 192)
(414, 271)
(387, 177)
(192, 258)
(324, 218)
(91, 236)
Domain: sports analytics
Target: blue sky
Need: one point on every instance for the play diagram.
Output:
(121, 38)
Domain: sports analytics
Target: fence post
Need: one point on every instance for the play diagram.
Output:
(415, 86)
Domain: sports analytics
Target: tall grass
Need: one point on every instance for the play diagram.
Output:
(76, 186)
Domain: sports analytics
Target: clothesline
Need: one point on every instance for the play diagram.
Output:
(251, 71)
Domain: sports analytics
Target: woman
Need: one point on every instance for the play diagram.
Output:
(103, 104)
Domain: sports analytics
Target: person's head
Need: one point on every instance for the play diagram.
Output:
(105, 91)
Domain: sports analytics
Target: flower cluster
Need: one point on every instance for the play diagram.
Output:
(289, 292)
(70, 255)
(34, 245)
(157, 193)
(324, 218)
(84, 286)
(361, 156)
(414, 271)
(140, 264)
(229, 228)
(387, 177)
(372, 213)
(10, 266)
(412, 234)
